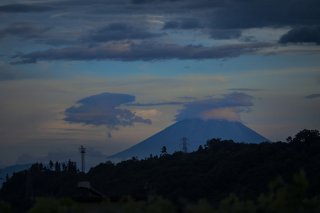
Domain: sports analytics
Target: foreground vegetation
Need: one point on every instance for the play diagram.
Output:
(222, 176)
(280, 198)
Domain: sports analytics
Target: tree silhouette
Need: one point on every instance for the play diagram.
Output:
(164, 151)
(57, 167)
(306, 136)
(50, 165)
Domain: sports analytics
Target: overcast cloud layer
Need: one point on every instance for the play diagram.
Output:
(147, 29)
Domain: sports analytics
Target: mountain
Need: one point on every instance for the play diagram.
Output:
(196, 131)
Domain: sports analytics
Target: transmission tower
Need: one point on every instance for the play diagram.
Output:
(184, 144)
(82, 150)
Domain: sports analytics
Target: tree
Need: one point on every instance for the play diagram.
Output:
(164, 151)
(306, 136)
(50, 165)
(210, 143)
(57, 167)
(289, 139)
(64, 167)
(71, 166)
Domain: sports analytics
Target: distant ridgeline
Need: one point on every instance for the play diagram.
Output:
(212, 172)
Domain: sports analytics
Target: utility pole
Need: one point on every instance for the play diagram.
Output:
(82, 150)
(184, 144)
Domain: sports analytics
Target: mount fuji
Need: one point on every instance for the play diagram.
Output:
(197, 132)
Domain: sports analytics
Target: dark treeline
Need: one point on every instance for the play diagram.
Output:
(55, 180)
(212, 172)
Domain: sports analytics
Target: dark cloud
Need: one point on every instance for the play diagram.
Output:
(312, 96)
(24, 8)
(23, 30)
(151, 1)
(188, 98)
(104, 109)
(230, 14)
(309, 34)
(240, 14)
(235, 14)
(61, 40)
(226, 107)
(120, 31)
(225, 33)
(184, 24)
(245, 89)
(40, 34)
(124, 20)
(145, 51)
(170, 103)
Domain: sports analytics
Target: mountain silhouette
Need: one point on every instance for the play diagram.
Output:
(197, 132)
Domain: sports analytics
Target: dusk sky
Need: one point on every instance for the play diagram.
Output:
(107, 74)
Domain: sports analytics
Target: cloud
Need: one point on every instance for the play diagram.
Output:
(227, 107)
(312, 96)
(235, 14)
(104, 109)
(184, 24)
(191, 24)
(147, 113)
(245, 89)
(119, 31)
(39, 34)
(225, 33)
(169, 103)
(23, 30)
(227, 113)
(307, 34)
(150, 1)
(24, 8)
(145, 51)
(142, 19)
(188, 98)
(117, 21)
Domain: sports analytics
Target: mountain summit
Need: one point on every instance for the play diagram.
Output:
(197, 132)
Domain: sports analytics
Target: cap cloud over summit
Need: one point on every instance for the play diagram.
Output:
(227, 107)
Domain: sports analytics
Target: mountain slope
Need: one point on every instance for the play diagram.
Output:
(196, 131)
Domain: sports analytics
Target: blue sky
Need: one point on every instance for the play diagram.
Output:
(108, 74)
